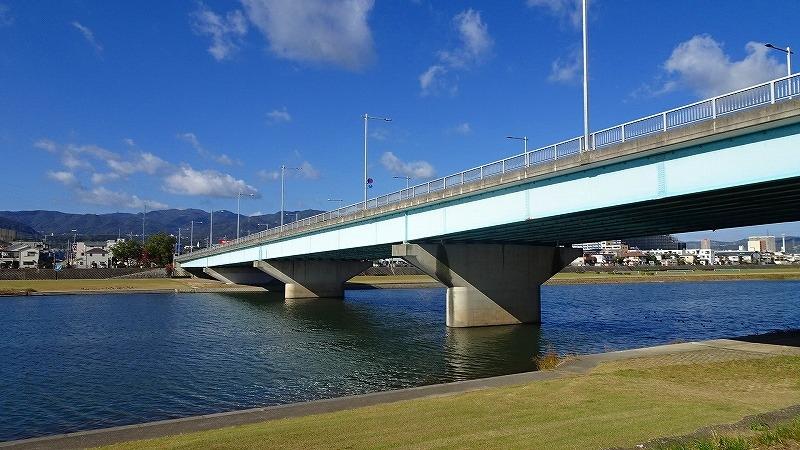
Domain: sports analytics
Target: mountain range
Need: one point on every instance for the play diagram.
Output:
(59, 226)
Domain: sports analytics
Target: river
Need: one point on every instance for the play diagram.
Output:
(77, 362)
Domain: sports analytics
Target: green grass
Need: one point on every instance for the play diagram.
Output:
(785, 435)
(615, 405)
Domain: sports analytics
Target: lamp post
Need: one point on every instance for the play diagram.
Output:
(520, 138)
(367, 118)
(283, 187)
(238, 201)
(788, 51)
(403, 177)
(211, 229)
(586, 145)
(191, 234)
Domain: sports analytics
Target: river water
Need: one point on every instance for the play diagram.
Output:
(79, 362)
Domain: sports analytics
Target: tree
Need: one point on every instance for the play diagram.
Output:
(159, 248)
(127, 252)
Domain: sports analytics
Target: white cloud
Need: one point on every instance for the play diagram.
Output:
(63, 177)
(316, 31)
(222, 158)
(101, 178)
(268, 175)
(700, 64)
(279, 115)
(72, 162)
(46, 144)
(566, 69)
(308, 171)
(89, 36)
(103, 196)
(144, 162)
(415, 169)
(226, 32)
(130, 142)
(188, 181)
(568, 10)
(475, 46)
(462, 128)
(5, 16)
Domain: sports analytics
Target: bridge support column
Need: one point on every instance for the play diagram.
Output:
(489, 284)
(239, 275)
(312, 278)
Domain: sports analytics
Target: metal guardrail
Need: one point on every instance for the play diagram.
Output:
(753, 96)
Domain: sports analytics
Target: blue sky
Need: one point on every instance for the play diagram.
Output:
(105, 105)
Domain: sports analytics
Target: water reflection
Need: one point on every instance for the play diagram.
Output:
(472, 352)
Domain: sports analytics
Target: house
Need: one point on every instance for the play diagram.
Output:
(25, 255)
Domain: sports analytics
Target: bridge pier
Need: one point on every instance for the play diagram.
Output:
(312, 278)
(239, 275)
(489, 284)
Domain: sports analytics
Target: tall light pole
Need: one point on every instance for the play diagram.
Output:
(585, 79)
(144, 214)
(211, 229)
(283, 187)
(238, 200)
(403, 177)
(788, 51)
(191, 234)
(367, 118)
(521, 138)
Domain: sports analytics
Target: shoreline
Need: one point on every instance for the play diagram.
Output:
(20, 288)
(570, 368)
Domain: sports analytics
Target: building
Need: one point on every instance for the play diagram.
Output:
(662, 242)
(25, 255)
(705, 244)
(92, 255)
(761, 244)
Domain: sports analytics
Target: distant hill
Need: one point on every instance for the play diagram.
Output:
(108, 226)
(21, 228)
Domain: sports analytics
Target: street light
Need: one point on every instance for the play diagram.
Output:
(520, 138)
(238, 200)
(211, 229)
(788, 51)
(367, 118)
(585, 79)
(191, 234)
(403, 177)
(283, 183)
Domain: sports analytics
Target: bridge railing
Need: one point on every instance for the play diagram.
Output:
(753, 96)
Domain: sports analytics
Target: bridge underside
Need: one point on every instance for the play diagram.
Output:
(754, 204)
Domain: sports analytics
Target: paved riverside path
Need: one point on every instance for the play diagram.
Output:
(671, 354)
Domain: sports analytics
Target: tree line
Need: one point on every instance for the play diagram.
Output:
(156, 251)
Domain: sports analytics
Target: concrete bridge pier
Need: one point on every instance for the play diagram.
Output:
(239, 275)
(489, 284)
(312, 278)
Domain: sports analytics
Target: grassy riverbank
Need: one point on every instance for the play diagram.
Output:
(642, 276)
(619, 403)
(21, 287)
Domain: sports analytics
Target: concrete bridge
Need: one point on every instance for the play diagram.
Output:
(495, 233)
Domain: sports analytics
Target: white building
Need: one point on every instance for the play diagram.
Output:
(24, 255)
